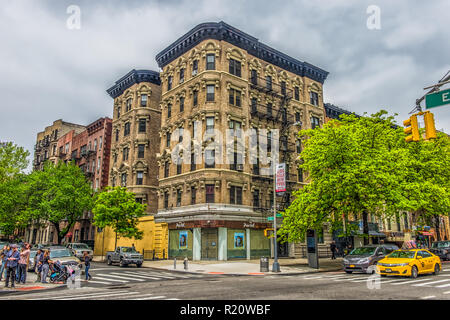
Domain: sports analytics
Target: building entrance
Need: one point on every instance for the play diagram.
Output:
(209, 243)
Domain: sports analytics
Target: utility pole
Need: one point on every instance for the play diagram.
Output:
(276, 265)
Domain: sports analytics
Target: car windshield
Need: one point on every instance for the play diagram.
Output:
(60, 253)
(402, 254)
(363, 251)
(444, 244)
(128, 249)
(80, 246)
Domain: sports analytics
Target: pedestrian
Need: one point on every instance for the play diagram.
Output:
(38, 264)
(45, 266)
(13, 257)
(23, 263)
(3, 254)
(333, 250)
(87, 265)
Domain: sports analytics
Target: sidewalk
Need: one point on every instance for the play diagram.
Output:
(30, 285)
(288, 266)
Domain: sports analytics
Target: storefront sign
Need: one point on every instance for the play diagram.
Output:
(249, 225)
(180, 225)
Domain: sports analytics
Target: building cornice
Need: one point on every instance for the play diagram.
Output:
(224, 32)
(133, 77)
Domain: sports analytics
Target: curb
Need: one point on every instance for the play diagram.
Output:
(19, 291)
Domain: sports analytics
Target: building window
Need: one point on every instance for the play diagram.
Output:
(269, 109)
(254, 77)
(181, 75)
(209, 158)
(117, 135)
(283, 88)
(238, 163)
(168, 136)
(297, 117)
(126, 151)
(193, 195)
(269, 141)
(194, 67)
(193, 166)
(195, 97)
(268, 82)
(124, 180)
(98, 163)
(139, 200)
(297, 93)
(166, 169)
(235, 67)
(210, 93)
(142, 125)
(178, 198)
(314, 122)
(126, 132)
(96, 184)
(139, 177)
(314, 98)
(113, 182)
(298, 146)
(169, 110)
(235, 195)
(100, 143)
(128, 105)
(235, 97)
(115, 158)
(181, 104)
(194, 129)
(235, 127)
(166, 200)
(405, 217)
(210, 62)
(300, 175)
(169, 83)
(179, 167)
(74, 154)
(209, 125)
(141, 150)
(254, 105)
(118, 112)
(209, 193)
(144, 100)
(66, 149)
(95, 144)
(180, 134)
(256, 199)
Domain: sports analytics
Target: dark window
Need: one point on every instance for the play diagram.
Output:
(178, 198)
(166, 200)
(181, 104)
(194, 67)
(142, 125)
(182, 75)
(169, 110)
(169, 83)
(139, 200)
(296, 93)
(210, 62)
(74, 154)
(180, 134)
(195, 97)
(210, 93)
(235, 195)
(128, 105)
(405, 217)
(209, 193)
(269, 109)
(126, 131)
(235, 67)
(209, 158)
(193, 195)
(209, 125)
(314, 122)
(166, 169)
(168, 136)
(284, 115)
(235, 126)
(193, 166)
(253, 103)
(118, 112)
(269, 141)
(256, 199)
(139, 177)
(314, 98)
(237, 163)
(143, 100)
(235, 97)
(115, 157)
(298, 146)
(283, 87)
(300, 175)
(124, 179)
(269, 83)
(179, 167)
(254, 77)
(297, 117)
(141, 150)
(126, 150)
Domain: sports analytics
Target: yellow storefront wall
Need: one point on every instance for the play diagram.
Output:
(155, 237)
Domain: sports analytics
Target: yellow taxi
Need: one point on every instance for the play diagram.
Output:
(409, 263)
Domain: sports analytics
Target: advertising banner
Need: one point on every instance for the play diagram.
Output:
(280, 178)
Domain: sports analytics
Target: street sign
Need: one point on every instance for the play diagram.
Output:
(278, 216)
(281, 177)
(437, 99)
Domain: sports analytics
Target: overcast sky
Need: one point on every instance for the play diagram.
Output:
(50, 72)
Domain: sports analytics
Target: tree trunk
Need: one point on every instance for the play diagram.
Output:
(365, 227)
(115, 245)
(437, 225)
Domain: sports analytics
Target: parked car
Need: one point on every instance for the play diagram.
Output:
(64, 256)
(31, 260)
(441, 249)
(124, 256)
(78, 249)
(361, 259)
(38, 246)
(409, 263)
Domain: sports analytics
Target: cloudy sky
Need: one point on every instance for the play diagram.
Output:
(50, 72)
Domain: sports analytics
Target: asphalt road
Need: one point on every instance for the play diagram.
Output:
(131, 283)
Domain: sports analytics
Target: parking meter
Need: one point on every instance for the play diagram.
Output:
(312, 250)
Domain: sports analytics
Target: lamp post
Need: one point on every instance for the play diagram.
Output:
(276, 265)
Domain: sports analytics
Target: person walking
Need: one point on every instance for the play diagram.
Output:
(87, 265)
(333, 250)
(12, 261)
(45, 266)
(23, 263)
(38, 264)
(3, 254)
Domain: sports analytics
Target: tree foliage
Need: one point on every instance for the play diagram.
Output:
(118, 209)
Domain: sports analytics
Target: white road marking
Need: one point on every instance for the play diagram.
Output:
(141, 276)
(98, 269)
(388, 281)
(427, 283)
(443, 285)
(121, 276)
(154, 274)
(78, 295)
(149, 298)
(309, 278)
(409, 281)
(178, 276)
(349, 279)
(446, 292)
(100, 282)
(107, 279)
(100, 296)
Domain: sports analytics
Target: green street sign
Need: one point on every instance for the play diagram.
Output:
(271, 218)
(437, 99)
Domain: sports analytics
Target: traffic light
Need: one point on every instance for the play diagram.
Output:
(268, 232)
(430, 130)
(412, 128)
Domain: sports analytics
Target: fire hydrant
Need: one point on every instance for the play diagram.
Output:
(185, 262)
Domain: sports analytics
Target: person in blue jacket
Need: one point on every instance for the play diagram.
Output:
(12, 260)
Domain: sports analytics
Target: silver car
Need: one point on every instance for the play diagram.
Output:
(78, 250)
(361, 259)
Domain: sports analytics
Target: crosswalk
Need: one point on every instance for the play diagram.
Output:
(429, 281)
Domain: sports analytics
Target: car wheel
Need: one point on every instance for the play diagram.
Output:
(348, 271)
(122, 264)
(139, 265)
(109, 261)
(437, 269)
(414, 272)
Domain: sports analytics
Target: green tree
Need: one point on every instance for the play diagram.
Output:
(59, 194)
(13, 160)
(356, 167)
(118, 209)
(13, 205)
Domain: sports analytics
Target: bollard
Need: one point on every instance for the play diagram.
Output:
(175, 263)
(185, 262)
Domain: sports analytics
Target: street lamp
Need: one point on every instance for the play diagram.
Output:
(276, 265)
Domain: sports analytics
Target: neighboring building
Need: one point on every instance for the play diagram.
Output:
(135, 143)
(333, 112)
(215, 78)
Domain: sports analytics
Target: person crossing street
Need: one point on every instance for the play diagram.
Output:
(333, 250)
(12, 260)
(87, 264)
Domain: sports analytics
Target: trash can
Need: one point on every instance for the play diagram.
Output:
(264, 264)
